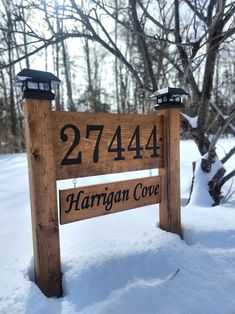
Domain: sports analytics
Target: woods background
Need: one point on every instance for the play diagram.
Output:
(111, 55)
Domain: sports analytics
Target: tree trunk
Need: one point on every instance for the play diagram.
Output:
(70, 102)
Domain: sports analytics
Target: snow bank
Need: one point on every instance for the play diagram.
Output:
(121, 263)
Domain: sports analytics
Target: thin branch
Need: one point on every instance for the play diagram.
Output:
(228, 155)
(47, 42)
(194, 9)
(222, 116)
(143, 46)
(227, 177)
(210, 9)
(221, 130)
(115, 51)
(229, 13)
(152, 19)
(229, 194)
(183, 55)
(227, 34)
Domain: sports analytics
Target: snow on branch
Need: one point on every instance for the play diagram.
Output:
(222, 116)
(228, 155)
(191, 120)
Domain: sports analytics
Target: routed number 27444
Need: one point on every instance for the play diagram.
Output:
(115, 146)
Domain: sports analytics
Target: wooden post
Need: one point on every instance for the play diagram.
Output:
(42, 177)
(170, 219)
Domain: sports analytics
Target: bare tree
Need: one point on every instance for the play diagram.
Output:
(172, 42)
(9, 42)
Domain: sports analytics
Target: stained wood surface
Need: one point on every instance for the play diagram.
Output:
(100, 144)
(96, 200)
(42, 177)
(170, 218)
(88, 139)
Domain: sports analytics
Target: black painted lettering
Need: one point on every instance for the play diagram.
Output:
(134, 144)
(117, 197)
(156, 189)
(109, 203)
(96, 199)
(85, 203)
(95, 128)
(141, 191)
(136, 192)
(151, 190)
(125, 195)
(118, 149)
(64, 137)
(144, 191)
(73, 201)
(153, 139)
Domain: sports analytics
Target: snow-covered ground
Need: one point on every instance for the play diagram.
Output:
(122, 263)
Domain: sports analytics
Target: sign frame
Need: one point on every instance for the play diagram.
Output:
(43, 173)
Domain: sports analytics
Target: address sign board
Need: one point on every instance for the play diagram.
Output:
(96, 200)
(67, 145)
(89, 144)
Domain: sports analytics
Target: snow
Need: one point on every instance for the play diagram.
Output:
(191, 120)
(200, 194)
(122, 263)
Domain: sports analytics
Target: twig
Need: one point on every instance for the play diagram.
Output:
(174, 274)
(221, 129)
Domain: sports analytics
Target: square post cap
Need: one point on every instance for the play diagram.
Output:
(169, 97)
(36, 84)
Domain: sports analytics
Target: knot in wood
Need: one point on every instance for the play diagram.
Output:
(35, 154)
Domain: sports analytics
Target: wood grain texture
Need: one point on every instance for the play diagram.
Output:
(170, 219)
(106, 163)
(102, 199)
(42, 177)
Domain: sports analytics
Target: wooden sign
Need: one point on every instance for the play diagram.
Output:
(87, 144)
(65, 145)
(96, 200)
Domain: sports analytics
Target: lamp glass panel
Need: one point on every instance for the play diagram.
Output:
(32, 85)
(177, 99)
(44, 86)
